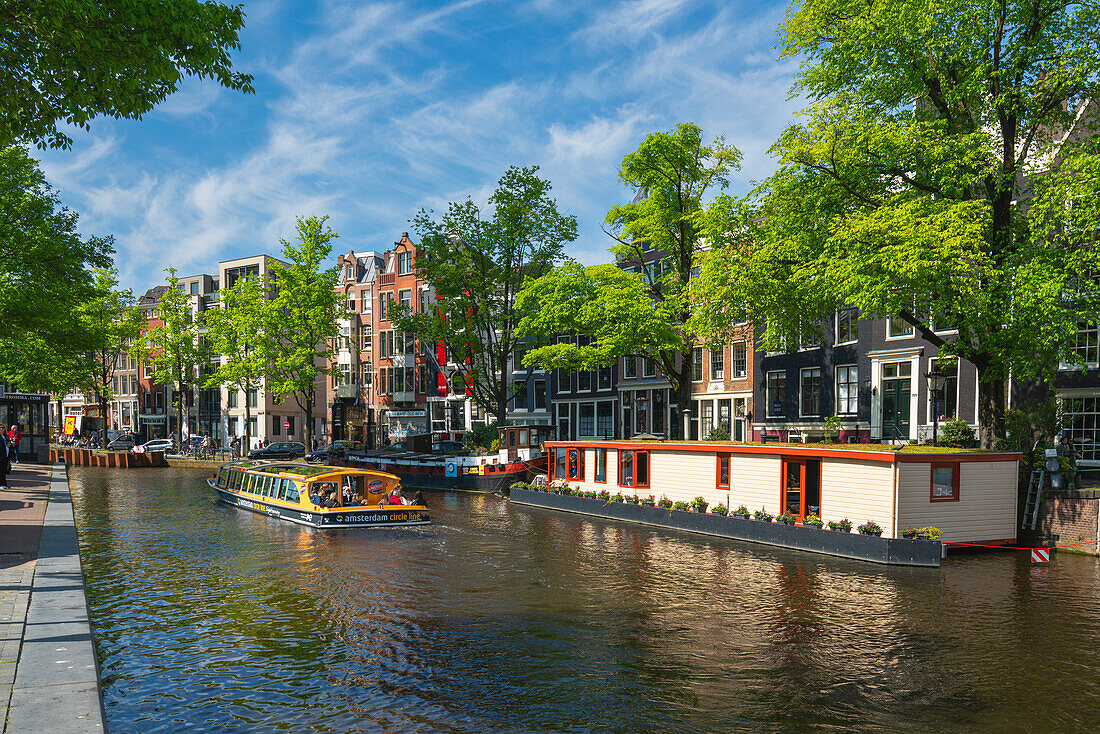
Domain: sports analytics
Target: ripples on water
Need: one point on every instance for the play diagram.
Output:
(499, 618)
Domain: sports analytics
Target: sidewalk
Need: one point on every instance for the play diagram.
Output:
(48, 675)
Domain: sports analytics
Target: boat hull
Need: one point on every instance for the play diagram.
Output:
(359, 517)
(485, 478)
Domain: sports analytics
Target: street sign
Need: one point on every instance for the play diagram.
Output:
(1040, 555)
(286, 424)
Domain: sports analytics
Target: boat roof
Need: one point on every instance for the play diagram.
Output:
(301, 470)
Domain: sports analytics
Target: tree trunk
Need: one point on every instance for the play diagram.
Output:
(683, 400)
(991, 411)
(247, 424)
(103, 415)
(307, 429)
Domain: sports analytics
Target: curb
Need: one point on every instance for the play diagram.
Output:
(57, 678)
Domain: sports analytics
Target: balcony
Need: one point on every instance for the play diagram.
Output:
(387, 278)
(346, 392)
(406, 396)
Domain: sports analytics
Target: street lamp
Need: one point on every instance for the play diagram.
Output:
(937, 379)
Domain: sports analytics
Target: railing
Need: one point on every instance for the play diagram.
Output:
(387, 278)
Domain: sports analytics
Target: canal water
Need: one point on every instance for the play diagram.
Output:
(500, 618)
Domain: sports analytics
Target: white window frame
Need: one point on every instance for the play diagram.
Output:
(852, 398)
(719, 374)
(890, 336)
(735, 373)
(855, 323)
(697, 363)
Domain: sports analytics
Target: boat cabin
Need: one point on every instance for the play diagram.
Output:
(971, 496)
(523, 443)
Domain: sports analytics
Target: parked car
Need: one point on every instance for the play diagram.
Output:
(156, 444)
(289, 450)
(335, 450)
(123, 443)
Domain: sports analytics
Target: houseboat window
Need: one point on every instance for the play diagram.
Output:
(292, 492)
(626, 468)
(523, 437)
(723, 471)
(511, 438)
(601, 465)
(945, 483)
(641, 469)
(561, 464)
(576, 465)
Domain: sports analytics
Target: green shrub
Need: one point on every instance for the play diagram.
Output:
(720, 509)
(762, 514)
(719, 433)
(955, 432)
(787, 518)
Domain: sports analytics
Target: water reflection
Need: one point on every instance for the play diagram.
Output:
(502, 618)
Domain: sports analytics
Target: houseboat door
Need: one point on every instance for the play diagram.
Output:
(801, 491)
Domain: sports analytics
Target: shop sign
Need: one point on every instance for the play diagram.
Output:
(407, 413)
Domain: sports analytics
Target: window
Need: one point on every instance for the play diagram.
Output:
(231, 399)
(777, 392)
(1087, 343)
(251, 426)
(404, 262)
(584, 381)
(604, 378)
(740, 364)
(847, 389)
(540, 394)
(406, 299)
(847, 325)
(601, 465)
(253, 398)
(384, 305)
(366, 335)
(717, 363)
(723, 479)
(561, 464)
(696, 364)
(946, 401)
(634, 469)
(630, 367)
(810, 392)
(290, 425)
(897, 327)
(276, 425)
(649, 367)
(707, 424)
(605, 419)
(587, 421)
(351, 300)
(349, 272)
(195, 288)
(366, 369)
(945, 483)
(1081, 424)
(576, 464)
(517, 356)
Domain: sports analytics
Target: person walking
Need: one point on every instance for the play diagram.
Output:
(14, 437)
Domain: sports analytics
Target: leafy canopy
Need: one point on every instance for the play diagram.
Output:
(65, 63)
(476, 266)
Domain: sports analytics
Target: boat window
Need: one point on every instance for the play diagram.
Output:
(601, 465)
(626, 468)
(523, 437)
(561, 465)
(221, 477)
(253, 480)
(641, 469)
(291, 491)
(281, 489)
(511, 438)
(576, 464)
(238, 478)
(268, 486)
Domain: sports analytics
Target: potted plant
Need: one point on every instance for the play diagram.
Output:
(787, 518)
(604, 496)
(720, 509)
(683, 506)
(649, 501)
(841, 526)
(812, 521)
(617, 497)
(699, 504)
(928, 533)
(909, 533)
(762, 515)
(664, 502)
(742, 512)
(590, 494)
(870, 528)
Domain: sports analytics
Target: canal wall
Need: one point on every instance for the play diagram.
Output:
(1070, 517)
(99, 457)
(892, 551)
(56, 685)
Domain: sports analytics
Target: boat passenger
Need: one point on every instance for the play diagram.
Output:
(394, 498)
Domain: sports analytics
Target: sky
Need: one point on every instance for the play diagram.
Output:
(369, 111)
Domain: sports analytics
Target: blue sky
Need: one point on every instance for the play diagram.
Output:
(369, 111)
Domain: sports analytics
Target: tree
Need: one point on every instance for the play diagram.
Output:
(239, 331)
(643, 314)
(305, 310)
(477, 267)
(929, 181)
(173, 349)
(67, 63)
(111, 322)
(45, 272)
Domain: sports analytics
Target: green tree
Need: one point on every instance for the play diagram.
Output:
(645, 313)
(111, 323)
(929, 181)
(239, 332)
(69, 62)
(306, 310)
(45, 272)
(173, 348)
(477, 266)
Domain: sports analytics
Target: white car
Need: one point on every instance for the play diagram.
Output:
(122, 443)
(157, 444)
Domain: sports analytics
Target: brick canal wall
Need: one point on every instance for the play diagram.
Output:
(1070, 517)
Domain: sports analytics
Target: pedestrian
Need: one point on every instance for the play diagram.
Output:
(235, 446)
(14, 437)
(4, 466)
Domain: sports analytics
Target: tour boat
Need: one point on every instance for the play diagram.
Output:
(317, 496)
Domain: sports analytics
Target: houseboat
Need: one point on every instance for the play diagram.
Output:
(521, 455)
(317, 496)
(970, 496)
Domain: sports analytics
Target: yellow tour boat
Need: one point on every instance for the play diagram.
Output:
(318, 496)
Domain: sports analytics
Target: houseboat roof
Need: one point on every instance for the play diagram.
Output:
(867, 452)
